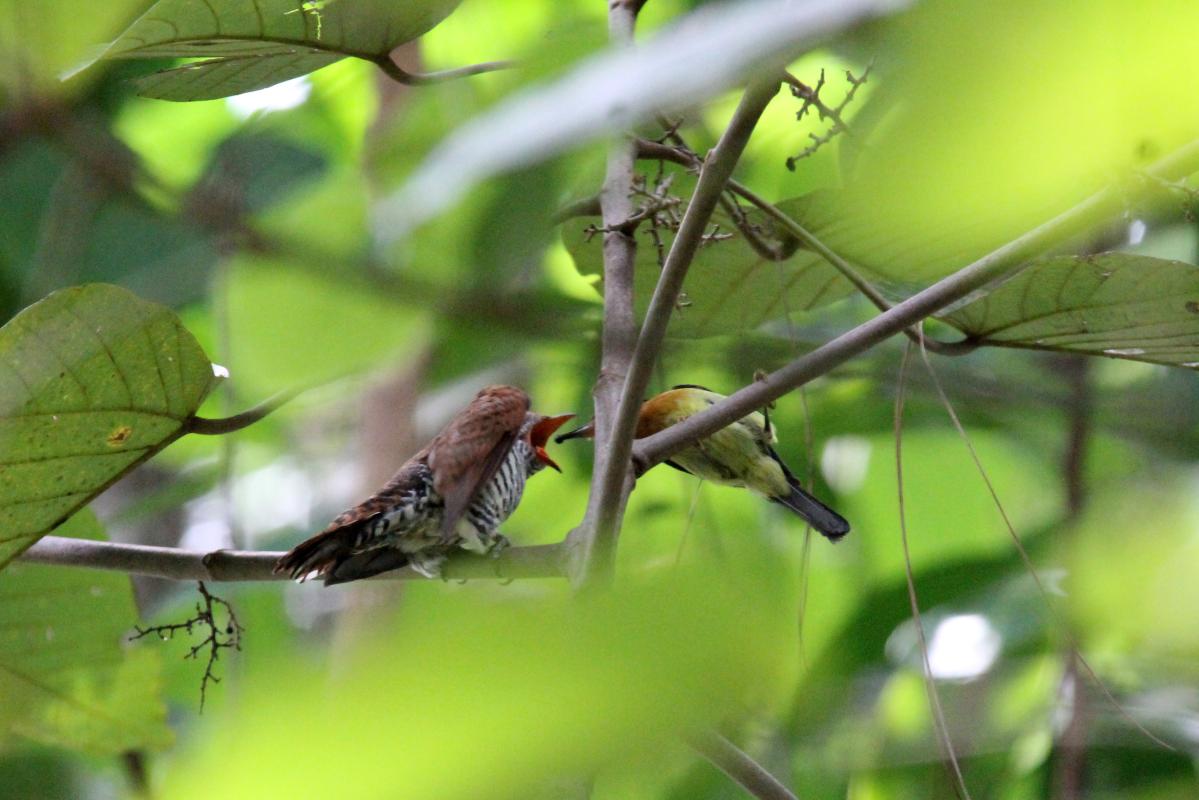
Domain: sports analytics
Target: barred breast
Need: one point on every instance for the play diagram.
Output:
(496, 501)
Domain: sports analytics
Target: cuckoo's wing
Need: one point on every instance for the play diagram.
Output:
(468, 452)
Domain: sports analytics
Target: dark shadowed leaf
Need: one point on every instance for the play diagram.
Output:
(64, 676)
(257, 43)
(93, 380)
(223, 77)
(730, 287)
(1120, 305)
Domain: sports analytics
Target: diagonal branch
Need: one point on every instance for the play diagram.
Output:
(809, 239)
(540, 561)
(735, 763)
(996, 266)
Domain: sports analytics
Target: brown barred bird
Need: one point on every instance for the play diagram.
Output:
(451, 495)
(741, 454)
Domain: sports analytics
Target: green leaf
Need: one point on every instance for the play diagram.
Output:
(64, 676)
(1116, 304)
(93, 381)
(730, 288)
(223, 77)
(258, 43)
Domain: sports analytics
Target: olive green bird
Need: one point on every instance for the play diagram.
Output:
(741, 454)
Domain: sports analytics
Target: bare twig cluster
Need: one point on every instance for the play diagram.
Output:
(810, 97)
(224, 635)
(764, 242)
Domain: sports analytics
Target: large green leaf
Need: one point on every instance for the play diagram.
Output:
(223, 77)
(93, 381)
(64, 676)
(730, 287)
(1116, 304)
(252, 44)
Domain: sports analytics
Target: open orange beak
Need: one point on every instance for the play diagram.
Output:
(540, 435)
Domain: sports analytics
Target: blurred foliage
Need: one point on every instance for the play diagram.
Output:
(263, 221)
(64, 677)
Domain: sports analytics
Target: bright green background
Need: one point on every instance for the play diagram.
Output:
(979, 120)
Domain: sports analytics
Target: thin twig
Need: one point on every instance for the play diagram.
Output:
(393, 71)
(734, 762)
(220, 636)
(217, 427)
(930, 684)
(997, 265)
(811, 99)
(1047, 598)
(538, 561)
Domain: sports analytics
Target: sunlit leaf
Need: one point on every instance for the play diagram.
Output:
(64, 676)
(1116, 304)
(40, 41)
(992, 121)
(257, 43)
(93, 380)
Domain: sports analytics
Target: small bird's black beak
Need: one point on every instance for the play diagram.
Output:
(585, 432)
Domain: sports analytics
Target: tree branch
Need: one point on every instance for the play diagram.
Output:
(539, 561)
(997, 265)
(393, 71)
(680, 155)
(735, 763)
(958, 348)
(593, 542)
(715, 174)
(217, 427)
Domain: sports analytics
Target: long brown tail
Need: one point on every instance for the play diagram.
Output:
(319, 555)
(330, 555)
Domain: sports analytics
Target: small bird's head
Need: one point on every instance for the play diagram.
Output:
(657, 413)
(539, 431)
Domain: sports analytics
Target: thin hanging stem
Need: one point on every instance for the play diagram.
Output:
(934, 697)
(1056, 615)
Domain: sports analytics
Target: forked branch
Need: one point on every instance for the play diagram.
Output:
(998, 265)
(612, 482)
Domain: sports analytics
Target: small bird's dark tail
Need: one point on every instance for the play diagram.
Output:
(329, 555)
(829, 523)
